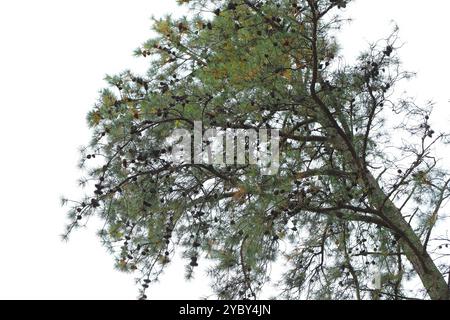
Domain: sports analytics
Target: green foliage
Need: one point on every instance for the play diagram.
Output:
(255, 64)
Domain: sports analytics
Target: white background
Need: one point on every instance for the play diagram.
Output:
(53, 57)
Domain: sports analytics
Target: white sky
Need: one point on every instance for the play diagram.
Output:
(53, 58)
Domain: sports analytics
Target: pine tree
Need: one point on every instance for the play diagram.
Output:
(342, 207)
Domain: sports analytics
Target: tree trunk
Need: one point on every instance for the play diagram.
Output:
(432, 279)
